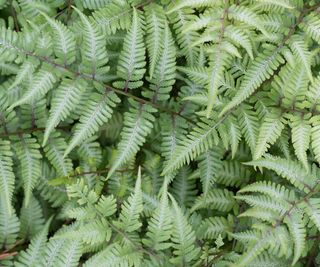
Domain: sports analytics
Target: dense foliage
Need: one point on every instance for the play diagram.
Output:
(159, 133)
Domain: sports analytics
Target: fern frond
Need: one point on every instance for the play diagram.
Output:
(115, 16)
(155, 21)
(297, 230)
(131, 209)
(210, 164)
(217, 66)
(41, 83)
(269, 132)
(24, 73)
(302, 53)
(62, 253)
(54, 152)
(239, 38)
(201, 139)
(165, 71)
(29, 156)
(115, 255)
(260, 70)
(138, 124)
(271, 189)
(189, 3)
(284, 3)
(248, 123)
(199, 75)
(311, 26)
(94, 233)
(132, 61)
(288, 169)
(212, 227)
(301, 131)
(183, 237)
(247, 16)
(254, 250)
(219, 199)
(232, 174)
(97, 110)
(31, 219)
(34, 252)
(65, 100)
(93, 48)
(183, 187)
(315, 135)
(160, 226)
(64, 41)
(95, 4)
(7, 177)
(312, 209)
(185, 40)
(9, 226)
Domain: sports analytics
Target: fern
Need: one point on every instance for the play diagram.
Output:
(129, 216)
(27, 150)
(30, 257)
(96, 112)
(131, 66)
(138, 125)
(67, 97)
(7, 175)
(159, 133)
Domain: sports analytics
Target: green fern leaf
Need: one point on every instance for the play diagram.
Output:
(41, 83)
(284, 3)
(138, 124)
(301, 131)
(219, 199)
(64, 42)
(54, 152)
(183, 237)
(311, 26)
(155, 21)
(66, 99)
(25, 72)
(260, 70)
(312, 209)
(97, 110)
(31, 219)
(212, 227)
(209, 164)
(114, 16)
(297, 231)
(9, 226)
(132, 61)
(115, 255)
(300, 50)
(165, 70)
(269, 132)
(93, 48)
(290, 170)
(31, 257)
(131, 209)
(7, 177)
(29, 156)
(189, 3)
(160, 226)
(315, 137)
(248, 123)
(247, 16)
(62, 253)
(201, 139)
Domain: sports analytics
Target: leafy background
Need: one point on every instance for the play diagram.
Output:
(159, 133)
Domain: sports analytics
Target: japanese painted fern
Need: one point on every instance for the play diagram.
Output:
(159, 133)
